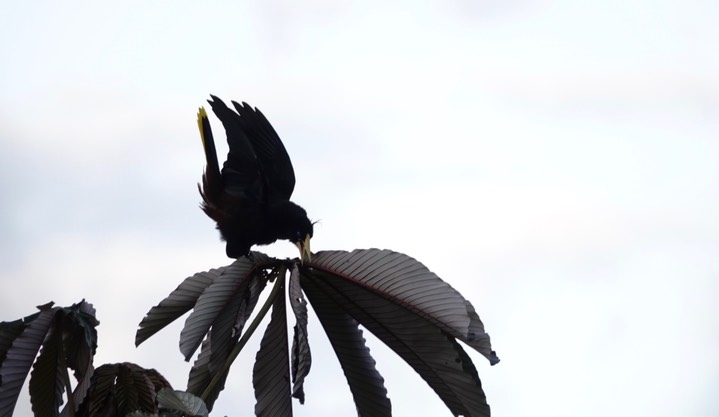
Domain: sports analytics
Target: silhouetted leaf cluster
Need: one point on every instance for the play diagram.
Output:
(121, 388)
(394, 296)
(65, 338)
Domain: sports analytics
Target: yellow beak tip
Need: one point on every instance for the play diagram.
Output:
(304, 247)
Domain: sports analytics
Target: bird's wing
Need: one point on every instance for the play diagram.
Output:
(274, 161)
(241, 173)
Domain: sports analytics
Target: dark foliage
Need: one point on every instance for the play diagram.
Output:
(119, 389)
(65, 339)
(409, 308)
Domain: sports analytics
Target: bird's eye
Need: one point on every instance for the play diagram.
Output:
(298, 235)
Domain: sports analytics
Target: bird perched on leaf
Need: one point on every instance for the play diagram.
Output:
(250, 197)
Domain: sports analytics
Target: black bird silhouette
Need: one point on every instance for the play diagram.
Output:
(250, 198)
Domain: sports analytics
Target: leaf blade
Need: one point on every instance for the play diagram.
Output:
(200, 376)
(19, 359)
(407, 282)
(412, 311)
(365, 382)
(227, 327)
(179, 302)
(46, 379)
(80, 344)
(213, 300)
(271, 373)
(186, 403)
(301, 355)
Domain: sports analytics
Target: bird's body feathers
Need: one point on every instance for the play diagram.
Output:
(249, 196)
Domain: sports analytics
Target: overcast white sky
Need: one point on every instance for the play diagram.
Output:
(555, 161)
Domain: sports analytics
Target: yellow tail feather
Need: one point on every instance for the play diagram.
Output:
(201, 114)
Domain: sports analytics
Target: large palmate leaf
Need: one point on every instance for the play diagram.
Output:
(394, 296)
(405, 281)
(429, 350)
(121, 388)
(66, 338)
(413, 312)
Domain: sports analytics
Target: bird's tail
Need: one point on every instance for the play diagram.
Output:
(211, 188)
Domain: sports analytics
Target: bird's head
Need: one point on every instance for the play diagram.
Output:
(293, 224)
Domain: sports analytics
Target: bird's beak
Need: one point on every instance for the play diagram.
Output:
(304, 247)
